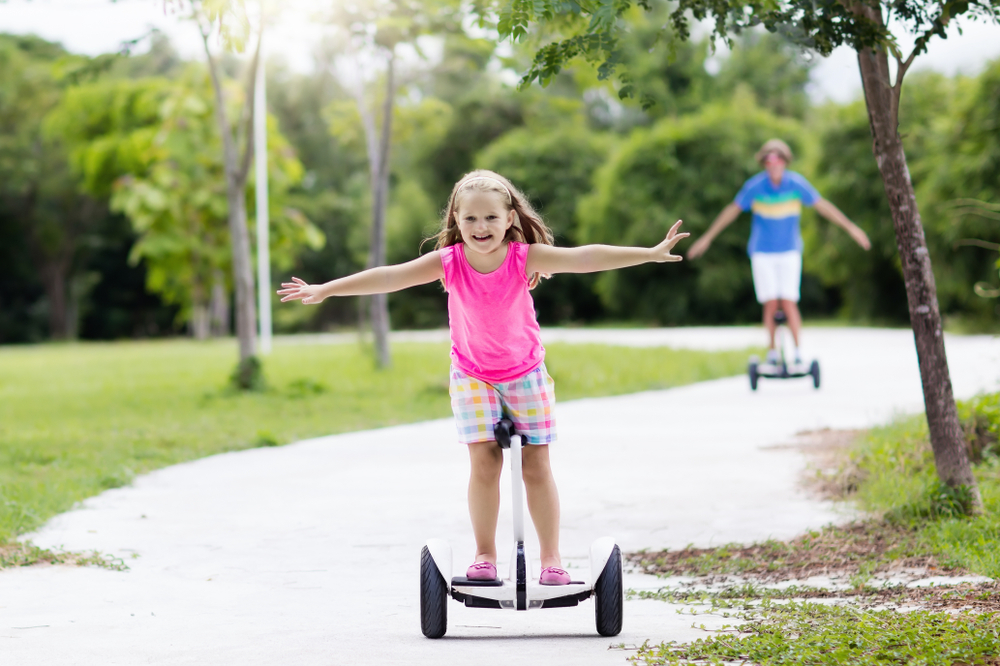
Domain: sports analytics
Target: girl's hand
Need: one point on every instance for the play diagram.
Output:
(661, 253)
(298, 289)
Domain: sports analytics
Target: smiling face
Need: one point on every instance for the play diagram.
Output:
(483, 219)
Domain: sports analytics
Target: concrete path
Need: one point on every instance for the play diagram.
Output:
(308, 553)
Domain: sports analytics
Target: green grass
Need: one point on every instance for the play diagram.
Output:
(893, 470)
(78, 419)
(826, 634)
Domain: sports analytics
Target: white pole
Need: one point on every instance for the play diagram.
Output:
(517, 487)
(263, 244)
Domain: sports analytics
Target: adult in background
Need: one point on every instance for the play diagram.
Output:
(776, 196)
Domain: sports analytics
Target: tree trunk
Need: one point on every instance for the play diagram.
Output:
(199, 320)
(236, 176)
(380, 198)
(947, 441)
(218, 307)
(80, 286)
(198, 323)
(377, 144)
(246, 307)
(52, 254)
(55, 276)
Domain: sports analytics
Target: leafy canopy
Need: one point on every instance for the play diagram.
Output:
(596, 30)
(152, 148)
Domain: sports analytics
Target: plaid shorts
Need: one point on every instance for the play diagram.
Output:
(527, 401)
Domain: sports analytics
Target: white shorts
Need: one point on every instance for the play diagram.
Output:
(776, 275)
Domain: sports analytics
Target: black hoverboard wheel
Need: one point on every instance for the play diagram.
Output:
(433, 598)
(609, 596)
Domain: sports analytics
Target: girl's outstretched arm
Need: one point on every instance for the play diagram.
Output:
(381, 280)
(550, 260)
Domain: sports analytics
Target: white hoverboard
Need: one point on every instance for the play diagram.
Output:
(521, 590)
(783, 369)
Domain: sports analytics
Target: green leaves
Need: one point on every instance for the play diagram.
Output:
(152, 147)
(597, 42)
(689, 168)
(820, 25)
(516, 16)
(603, 15)
(230, 16)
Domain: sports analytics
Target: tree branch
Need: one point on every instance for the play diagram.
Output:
(368, 126)
(220, 106)
(937, 27)
(975, 242)
(897, 88)
(975, 203)
(387, 104)
(249, 108)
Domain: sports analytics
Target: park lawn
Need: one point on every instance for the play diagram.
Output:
(78, 419)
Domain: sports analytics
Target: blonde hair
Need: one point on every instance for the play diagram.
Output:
(528, 227)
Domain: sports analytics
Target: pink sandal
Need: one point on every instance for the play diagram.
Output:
(554, 576)
(482, 571)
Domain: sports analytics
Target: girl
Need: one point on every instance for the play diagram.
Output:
(492, 248)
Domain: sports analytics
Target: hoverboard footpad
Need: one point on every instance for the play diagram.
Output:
(472, 582)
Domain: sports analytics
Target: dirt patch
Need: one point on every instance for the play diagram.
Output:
(865, 548)
(829, 474)
(966, 596)
(978, 597)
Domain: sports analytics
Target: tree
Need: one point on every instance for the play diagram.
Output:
(237, 151)
(595, 31)
(152, 147)
(376, 121)
(178, 204)
(373, 32)
(36, 186)
(767, 64)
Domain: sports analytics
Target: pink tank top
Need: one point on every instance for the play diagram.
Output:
(494, 331)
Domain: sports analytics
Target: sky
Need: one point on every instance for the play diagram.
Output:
(100, 26)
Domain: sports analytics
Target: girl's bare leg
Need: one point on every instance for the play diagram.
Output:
(486, 460)
(543, 502)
